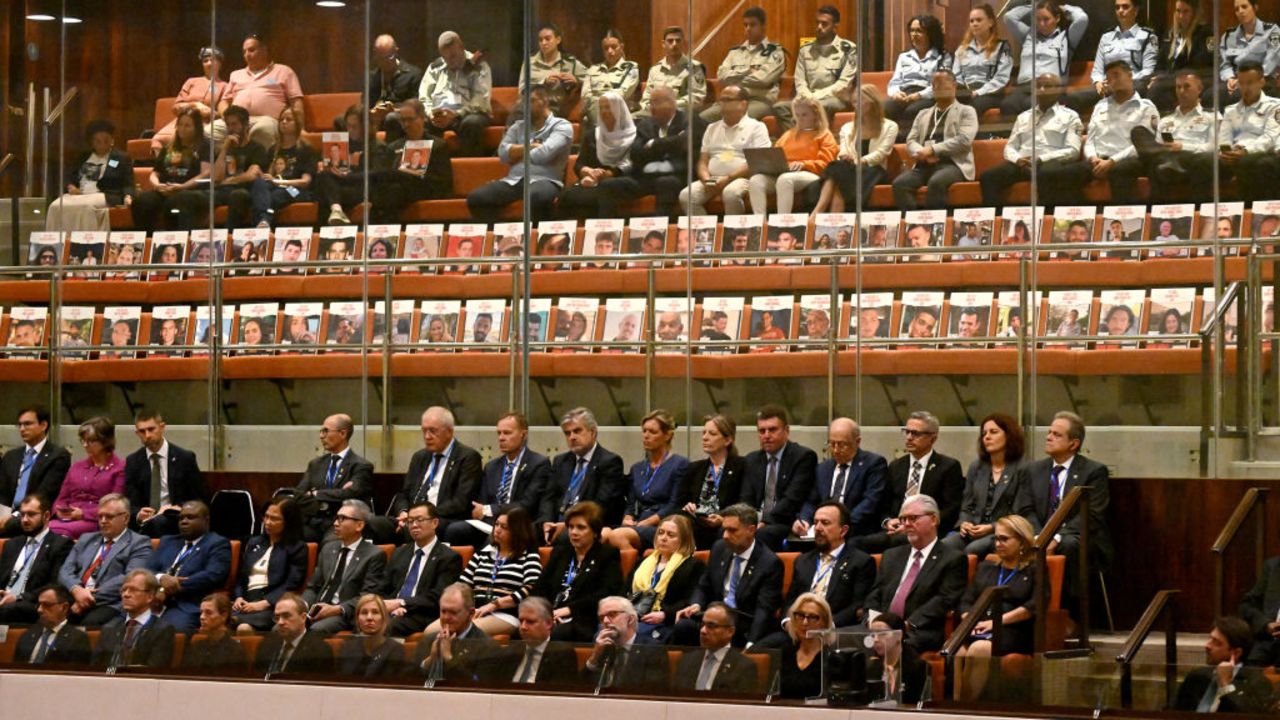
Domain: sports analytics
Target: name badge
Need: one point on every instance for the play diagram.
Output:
(113, 163)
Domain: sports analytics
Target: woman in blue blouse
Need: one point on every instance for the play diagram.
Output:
(655, 485)
(910, 89)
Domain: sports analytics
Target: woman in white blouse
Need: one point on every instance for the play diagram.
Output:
(865, 145)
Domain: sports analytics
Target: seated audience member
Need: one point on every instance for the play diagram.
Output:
(1250, 41)
(503, 572)
(1128, 41)
(370, 654)
(29, 562)
(550, 140)
(851, 476)
(1186, 45)
(240, 161)
(911, 88)
(36, 467)
(1013, 570)
(444, 472)
(189, 566)
(779, 476)
(579, 573)
(659, 156)
(800, 668)
(903, 670)
(716, 666)
(214, 650)
(516, 477)
(1049, 33)
(865, 143)
(331, 479)
(809, 148)
(654, 488)
(1250, 128)
(685, 77)
(715, 482)
(1172, 165)
(742, 573)
(159, 477)
(616, 75)
(535, 658)
(100, 178)
(663, 583)
(922, 580)
(346, 568)
(181, 167)
(1224, 684)
(995, 485)
(96, 566)
(755, 68)
(459, 650)
(391, 81)
(399, 181)
(1048, 137)
(271, 564)
(620, 657)
(722, 165)
(338, 187)
(920, 471)
(89, 481)
(825, 69)
(1260, 607)
(585, 471)
(417, 573)
(264, 88)
(983, 62)
(54, 640)
(202, 94)
(605, 155)
(940, 144)
(290, 648)
(556, 71)
(138, 638)
(287, 179)
(455, 93)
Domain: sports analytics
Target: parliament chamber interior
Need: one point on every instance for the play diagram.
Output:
(634, 356)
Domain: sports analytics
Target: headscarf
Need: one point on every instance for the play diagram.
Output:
(613, 146)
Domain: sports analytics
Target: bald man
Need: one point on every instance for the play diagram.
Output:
(337, 475)
(444, 472)
(852, 476)
(391, 82)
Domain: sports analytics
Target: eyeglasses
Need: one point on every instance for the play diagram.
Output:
(610, 614)
(911, 518)
(839, 444)
(917, 433)
(340, 518)
(806, 617)
(419, 520)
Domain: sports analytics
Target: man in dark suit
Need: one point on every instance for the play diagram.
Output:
(348, 567)
(460, 651)
(38, 467)
(338, 475)
(716, 666)
(535, 659)
(838, 572)
(30, 562)
(96, 567)
(290, 648)
(659, 157)
(1225, 683)
(922, 580)
(586, 472)
(851, 476)
(444, 472)
(743, 574)
(55, 641)
(620, 658)
(138, 638)
(159, 499)
(189, 566)
(518, 476)
(921, 471)
(779, 476)
(1260, 607)
(418, 572)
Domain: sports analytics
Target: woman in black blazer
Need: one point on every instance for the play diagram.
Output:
(995, 485)
(714, 483)
(214, 651)
(579, 574)
(662, 584)
(99, 179)
(270, 565)
(370, 654)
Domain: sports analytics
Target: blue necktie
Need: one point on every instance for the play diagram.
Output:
(1055, 488)
(24, 475)
(576, 481)
(732, 598)
(334, 462)
(431, 477)
(504, 490)
(411, 580)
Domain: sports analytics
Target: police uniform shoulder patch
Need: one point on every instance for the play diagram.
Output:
(1276, 115)
(628, 65)
(1274, 39)
(768, 49)
(847, 45)
(436, 64)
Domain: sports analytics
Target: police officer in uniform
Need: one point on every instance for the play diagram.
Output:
(1048, 137)
(1254, 40)
(686, 76)
(1187, 45)
(455, 92)
(1252, 128)
(1047, 54)
(756, 66)
(1184, 147)
(1137, 45)
(825, 68)
(616, 74)
(556, 70)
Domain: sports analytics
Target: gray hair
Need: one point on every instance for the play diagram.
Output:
(538, 604)
(448, 38)
(581, 415)
(928, 504)
(929, 419)
(627, 608)
(1075, 429)
(116, 497)
(149, 579)
(360, 507)
(443, 414)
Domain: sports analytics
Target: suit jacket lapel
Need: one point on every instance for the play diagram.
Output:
(926, 568)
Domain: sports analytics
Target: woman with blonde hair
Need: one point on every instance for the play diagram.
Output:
(654, 487)
(663, 583)
(983, 63)
(370, 653)
(809, 148)
(865, 146)
(293, 163)
(801, 661)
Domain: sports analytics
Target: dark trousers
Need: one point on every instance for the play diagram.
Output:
(905, 113)
(618, 191)
(1068, 184)
(19, 612)
(997, 180)
(1018, 99)
(487, 201)
(268, 198)
(845, 174)
(391, 192)
(96, 616)
(1256, 175)
(470, 129)
(177, 211)
(331, 189)
(981, 103)
(238, 202)
(938, 177)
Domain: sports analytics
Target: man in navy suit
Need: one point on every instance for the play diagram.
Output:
(418, 573)
(585, 472)
(444, 472)
(138, 637)
(55, 641)
(851, 476)
(30, 562)
(518, 476)
(333, 478)
(921, 471)
(159, 499)
(38, 467)
(96, 567)
(779, 476)
(190, 565)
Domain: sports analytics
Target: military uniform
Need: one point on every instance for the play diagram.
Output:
(623, 77)
(687, 77)
(823, 72)
(466, 91)
(539, 69)
(758, 69)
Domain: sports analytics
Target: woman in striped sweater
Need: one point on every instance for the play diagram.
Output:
(503, 573)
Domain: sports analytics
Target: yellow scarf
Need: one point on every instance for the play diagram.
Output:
(643, 579)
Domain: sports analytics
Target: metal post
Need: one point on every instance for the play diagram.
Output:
(1253, 361)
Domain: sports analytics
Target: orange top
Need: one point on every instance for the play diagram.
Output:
(808, 147)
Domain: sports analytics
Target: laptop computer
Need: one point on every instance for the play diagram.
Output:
(766, 161)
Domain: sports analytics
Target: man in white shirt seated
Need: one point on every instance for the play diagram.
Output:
(722, 166)
(1183, 148)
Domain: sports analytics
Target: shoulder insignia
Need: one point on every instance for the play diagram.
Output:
(768, 49)
(1274, 39)
(847, 46)
(437, 64)
(628, 65)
